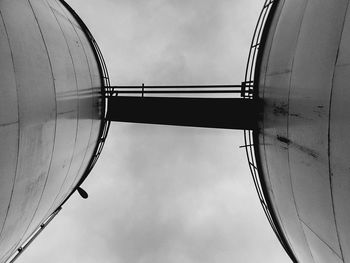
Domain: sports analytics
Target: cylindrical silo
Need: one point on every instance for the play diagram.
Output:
(303, 146)
(51, 112)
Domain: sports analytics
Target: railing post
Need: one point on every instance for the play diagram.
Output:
(243, 90)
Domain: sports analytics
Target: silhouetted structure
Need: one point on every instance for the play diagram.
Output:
(226, 113)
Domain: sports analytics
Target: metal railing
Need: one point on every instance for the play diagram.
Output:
(241, 90)
(31, 238)
(105, 90)
(250, 145)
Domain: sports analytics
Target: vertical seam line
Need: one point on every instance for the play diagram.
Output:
(329, 134)
(290, 171)
(77, 122)
(264, 145)
(87, 62)
(19, 122)
(54, 136)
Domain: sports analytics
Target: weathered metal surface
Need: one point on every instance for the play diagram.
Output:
(303, 82)
(50, 113)
(339, 142)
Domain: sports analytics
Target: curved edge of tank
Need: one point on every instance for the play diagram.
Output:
(105, 84)
(103, 132)
(302, 141)
(263, 27)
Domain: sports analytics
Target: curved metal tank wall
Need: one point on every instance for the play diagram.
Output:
(304, 142)
(50, 111)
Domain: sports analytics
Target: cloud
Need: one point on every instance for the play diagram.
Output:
(177, 42)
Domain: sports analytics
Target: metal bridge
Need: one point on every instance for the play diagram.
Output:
(209, 106)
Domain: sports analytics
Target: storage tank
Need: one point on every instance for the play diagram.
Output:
(52, 81)
(302, 146)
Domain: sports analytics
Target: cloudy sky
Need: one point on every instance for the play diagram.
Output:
(162, 194)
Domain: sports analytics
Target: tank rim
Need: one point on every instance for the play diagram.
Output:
(251, 137)
(105, 89)
(103, 132)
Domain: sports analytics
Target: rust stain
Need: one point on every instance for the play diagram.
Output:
(304, 149)
(280, 109)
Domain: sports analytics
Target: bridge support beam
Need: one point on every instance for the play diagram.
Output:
(226, 113)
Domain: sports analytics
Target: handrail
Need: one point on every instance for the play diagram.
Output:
(250, 144)
(238, 90)
(31, 238)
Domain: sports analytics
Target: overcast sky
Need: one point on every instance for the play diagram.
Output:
(162, 194)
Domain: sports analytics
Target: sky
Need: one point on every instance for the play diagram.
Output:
(162, 194)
